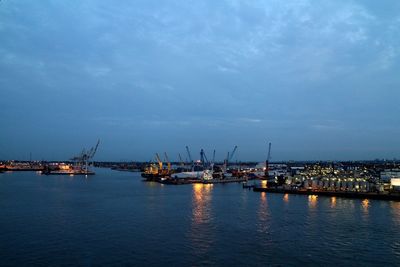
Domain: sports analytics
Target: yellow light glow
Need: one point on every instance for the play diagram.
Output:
(286, 198)
(395, 181)
(201, 201)
(263, 196)
(312, 201)
(365, 205)
(333, 202)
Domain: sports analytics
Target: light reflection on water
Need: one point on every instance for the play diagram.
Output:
(201, 231)
(333, 202)
(201, 211)
(312, 201)
(263, 214)
(395, 210)
(286, 198)
(365, 205)
(122, 221)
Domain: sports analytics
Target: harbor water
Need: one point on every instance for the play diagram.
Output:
(115, 219)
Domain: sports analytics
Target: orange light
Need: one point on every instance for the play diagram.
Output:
(312, 201)
(286, 198)
(333, 202)
(365, 205)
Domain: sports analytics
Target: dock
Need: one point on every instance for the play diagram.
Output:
(344, 194)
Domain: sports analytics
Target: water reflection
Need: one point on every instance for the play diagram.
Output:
(201, 229)
(365, 205)
(395, 210)
(312, 201)
(286, 198)
(333, 202)
(263, 214)
(201, 203)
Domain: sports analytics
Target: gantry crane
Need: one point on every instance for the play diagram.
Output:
(86, 155)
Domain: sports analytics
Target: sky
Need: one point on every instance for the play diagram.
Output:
(318, 79)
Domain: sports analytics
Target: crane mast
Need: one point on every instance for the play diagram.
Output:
(168, 163)
(160, 164)
(267, 161)
(181, 161)
(229, 157)
(190, 157)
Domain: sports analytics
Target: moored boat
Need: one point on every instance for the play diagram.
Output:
(66, 169)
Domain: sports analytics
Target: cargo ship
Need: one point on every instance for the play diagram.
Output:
(21, 166)
(66, 169)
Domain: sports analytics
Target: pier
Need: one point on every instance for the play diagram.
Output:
(344, 194)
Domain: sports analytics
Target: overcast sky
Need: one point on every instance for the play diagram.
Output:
(319, 79)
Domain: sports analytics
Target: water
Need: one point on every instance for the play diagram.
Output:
(115, 219)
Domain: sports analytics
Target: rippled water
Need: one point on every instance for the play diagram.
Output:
(114, 219)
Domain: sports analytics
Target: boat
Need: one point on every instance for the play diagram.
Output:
(66, 169)
(21, 166)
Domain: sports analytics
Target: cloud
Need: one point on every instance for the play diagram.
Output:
(216, 65)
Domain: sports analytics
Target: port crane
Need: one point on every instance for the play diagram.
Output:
(267, 161)
(190, 157)
(229, 157)
(160, 163)
(213, 158)
(203, 158)
(168, 163)
(181, 161)
(86, 155)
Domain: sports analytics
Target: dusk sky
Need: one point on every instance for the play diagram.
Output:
(318, 79)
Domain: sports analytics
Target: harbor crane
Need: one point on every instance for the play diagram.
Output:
(181, 161)
(160, 163)
(213, 158)
(86, 155)
(203, 157)
(168, 163)
(190, 157)
(229, 157)
(267, 161)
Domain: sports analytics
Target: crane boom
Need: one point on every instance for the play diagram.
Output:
(188, 152)
(95, 149)
(159, 161)
(232, 154)
(181, 161)
(267, 161)
(213, 158)
(203, 157)
(167, 160)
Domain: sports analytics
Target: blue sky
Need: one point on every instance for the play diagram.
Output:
(319, 79)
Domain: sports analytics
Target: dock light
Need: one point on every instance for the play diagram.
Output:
(395, 181)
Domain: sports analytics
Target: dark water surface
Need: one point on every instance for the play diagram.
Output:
(115, 219)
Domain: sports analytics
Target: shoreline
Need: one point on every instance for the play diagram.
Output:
(357, 195)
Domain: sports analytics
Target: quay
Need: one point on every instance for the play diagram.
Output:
(198, 181)
(344, 194)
